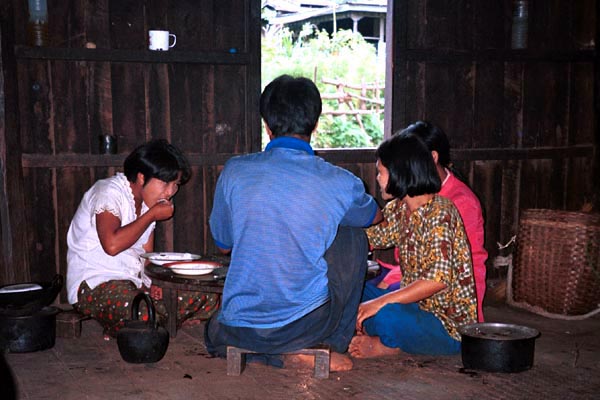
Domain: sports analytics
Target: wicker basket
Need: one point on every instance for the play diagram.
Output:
(557, 263)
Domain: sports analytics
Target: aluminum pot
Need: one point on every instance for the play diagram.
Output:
(498, 347)
(142, 341)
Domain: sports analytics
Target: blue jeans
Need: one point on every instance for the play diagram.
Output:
(332, 323)
(407, 327)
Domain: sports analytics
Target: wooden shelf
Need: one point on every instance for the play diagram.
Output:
(365, 155)
(487, 154)
(500, 55)
(29, 160)
(134, 56)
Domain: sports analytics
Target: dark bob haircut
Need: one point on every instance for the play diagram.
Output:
(291, 106)
(412, 170)
(157, 159)
(435, 139)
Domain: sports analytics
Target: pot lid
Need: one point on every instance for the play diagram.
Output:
(20, 287)
(498, 331)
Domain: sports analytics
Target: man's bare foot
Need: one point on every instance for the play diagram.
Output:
(370, 346)
(337, 362)
(191, 322)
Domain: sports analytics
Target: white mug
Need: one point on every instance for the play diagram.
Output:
(159, 40)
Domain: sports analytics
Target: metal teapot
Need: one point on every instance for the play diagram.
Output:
(142, 341)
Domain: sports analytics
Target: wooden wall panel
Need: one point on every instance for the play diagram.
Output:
(450, 62)
(487, 132)
(71, 184)
(12, 199)
(583, 27)
(66, 23)
(70, 101)
(127, 28)
(579, 196)
(34, 102)
(128, 107)
(211, 174)
(190, 211)
(485, 180)
(448, 100)
(545, 122)
(158, 101)
(41, 238)
(100, 105)
(453, 65)
(230, 111)
(72, 90)
(187, 116)
(489, 28)
(581, 103)
(449, 24)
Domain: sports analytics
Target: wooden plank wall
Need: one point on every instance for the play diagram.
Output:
(95, 76)
(522, 122)
(530, 111)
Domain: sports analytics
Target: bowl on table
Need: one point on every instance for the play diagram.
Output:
(194, 267)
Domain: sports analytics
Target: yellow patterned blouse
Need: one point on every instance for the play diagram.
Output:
(433, 246)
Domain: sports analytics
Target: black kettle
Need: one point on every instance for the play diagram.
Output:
(142, 341)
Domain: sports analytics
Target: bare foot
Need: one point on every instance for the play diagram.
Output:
(370, 346)
(337, 362)
(191, 322)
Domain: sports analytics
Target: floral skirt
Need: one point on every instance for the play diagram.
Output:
(110, 304)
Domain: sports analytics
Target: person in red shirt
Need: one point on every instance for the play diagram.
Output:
(464, 199)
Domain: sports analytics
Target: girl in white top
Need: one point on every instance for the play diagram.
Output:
(114, 225)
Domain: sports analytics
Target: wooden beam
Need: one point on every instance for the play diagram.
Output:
(362, 155)
(125, 55)
(500, 55)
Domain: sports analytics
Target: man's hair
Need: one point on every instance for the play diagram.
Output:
(412, 170)
(291, 106)
(157, 159)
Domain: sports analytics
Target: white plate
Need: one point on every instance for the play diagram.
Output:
(373, 265)
(20, 287)
(166, 257)
(193, 267)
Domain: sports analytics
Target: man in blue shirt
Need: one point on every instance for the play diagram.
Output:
(293, 223)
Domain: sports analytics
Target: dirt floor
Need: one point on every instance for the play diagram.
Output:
(566, 366)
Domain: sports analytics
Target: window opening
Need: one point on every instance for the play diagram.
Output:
(340, 45)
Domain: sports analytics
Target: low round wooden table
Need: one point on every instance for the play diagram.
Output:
(171, 283)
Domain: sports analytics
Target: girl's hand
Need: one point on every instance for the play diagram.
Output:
(163, 209)
(367, 310)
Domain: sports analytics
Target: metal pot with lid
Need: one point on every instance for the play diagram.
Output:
(28, 297)
(498, 347)
(27, 321)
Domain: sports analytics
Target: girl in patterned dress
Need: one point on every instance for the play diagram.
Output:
(437, 292)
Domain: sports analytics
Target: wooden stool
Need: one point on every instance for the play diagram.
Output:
(68, 324)
(236, 359)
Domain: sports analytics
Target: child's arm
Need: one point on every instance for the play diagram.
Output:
(416, 291)
(115, 238)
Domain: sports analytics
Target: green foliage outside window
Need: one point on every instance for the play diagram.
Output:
(345, 58)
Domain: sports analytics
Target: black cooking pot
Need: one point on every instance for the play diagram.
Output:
(15, 299)
(142, 341)
(27, 333)
(498, 347)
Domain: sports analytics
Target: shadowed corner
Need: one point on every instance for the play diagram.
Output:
(8, 388)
